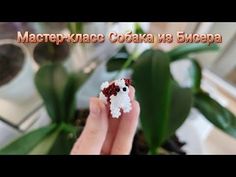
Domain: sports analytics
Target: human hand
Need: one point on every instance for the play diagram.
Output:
(105, 135)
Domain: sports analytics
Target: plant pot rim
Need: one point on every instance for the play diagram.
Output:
(25, 62)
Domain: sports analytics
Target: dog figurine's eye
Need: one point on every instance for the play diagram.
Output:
(117, 89)
(126, 84)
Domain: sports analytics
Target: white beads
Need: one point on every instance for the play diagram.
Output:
(117, 95)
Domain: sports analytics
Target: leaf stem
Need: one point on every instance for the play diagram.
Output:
(69, 128)
(152, 151)
(128, 62)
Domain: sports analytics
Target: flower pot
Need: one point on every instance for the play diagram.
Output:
(16, 72)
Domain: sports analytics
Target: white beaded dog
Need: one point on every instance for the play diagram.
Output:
(117, 94)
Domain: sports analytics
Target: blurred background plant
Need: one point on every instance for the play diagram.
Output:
(57, 88)
(165, 103)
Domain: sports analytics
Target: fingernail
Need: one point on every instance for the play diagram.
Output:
(94, 107)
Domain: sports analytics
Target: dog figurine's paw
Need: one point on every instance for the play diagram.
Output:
(117, 95)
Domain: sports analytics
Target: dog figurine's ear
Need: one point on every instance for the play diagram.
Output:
(110, 90)
(128, 82)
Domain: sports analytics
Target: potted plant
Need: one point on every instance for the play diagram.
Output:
(57, 88)
(159, 97)
(165, 105)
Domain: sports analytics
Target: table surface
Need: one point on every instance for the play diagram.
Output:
(15, 114)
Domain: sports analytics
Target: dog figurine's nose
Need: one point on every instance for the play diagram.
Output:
(124, 89)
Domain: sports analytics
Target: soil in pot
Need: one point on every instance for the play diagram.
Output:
(81, 117)
(172, 146)
(140, 147)
(50, 52)
(11, 62)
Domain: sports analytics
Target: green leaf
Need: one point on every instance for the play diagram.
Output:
(196, 75)
(50, 143)
(182, 51)
(70, 128)
(138, 29)
(58, 89)
(74, 82)
(27, 142)
(123, 52)
(181, 103)
(215, 113)
(45, 145)
(51, 81)
(116, 62)
(159, 97)
(151, 78)
(63, 143)
(69, 101)
(75, 27)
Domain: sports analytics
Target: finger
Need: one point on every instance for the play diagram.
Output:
(112, 131)
(113, 127)
(131, 92)
(94, 133)
(126, 131)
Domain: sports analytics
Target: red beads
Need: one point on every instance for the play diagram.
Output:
(113, 89)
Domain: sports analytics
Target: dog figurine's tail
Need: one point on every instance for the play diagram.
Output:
(104, 85)
(101, 95)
